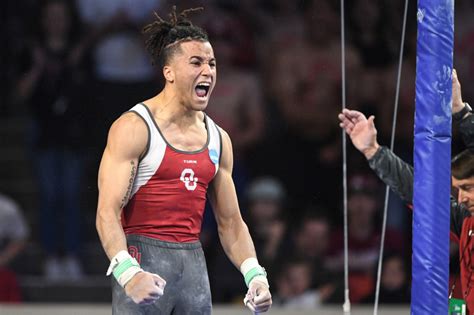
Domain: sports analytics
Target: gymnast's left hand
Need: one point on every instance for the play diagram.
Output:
(258, 298)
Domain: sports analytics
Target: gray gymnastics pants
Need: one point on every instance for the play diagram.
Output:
(183, 267)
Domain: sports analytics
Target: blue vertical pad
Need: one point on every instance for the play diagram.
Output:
(432, 157)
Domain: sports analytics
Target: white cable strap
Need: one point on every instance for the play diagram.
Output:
(347, 304)
(392, 141)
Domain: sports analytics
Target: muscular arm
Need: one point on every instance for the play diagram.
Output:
(233, 231)
(234, 234)
(126, 142)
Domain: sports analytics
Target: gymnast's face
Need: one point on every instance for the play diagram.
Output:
(465, 192)
(192, 73)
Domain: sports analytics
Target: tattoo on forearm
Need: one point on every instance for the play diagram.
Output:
(130, 185)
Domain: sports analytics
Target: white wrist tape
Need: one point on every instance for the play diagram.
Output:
(251, 270)
(248, 264)
(261, 279)
(124, 267)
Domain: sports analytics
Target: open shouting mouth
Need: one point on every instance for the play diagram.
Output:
(202, 89)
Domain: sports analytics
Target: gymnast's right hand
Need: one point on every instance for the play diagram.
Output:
(145, 287)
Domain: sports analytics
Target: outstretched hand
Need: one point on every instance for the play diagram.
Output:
(361, 131)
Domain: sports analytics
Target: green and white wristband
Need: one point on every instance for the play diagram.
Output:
(123, 267)
(251, 270)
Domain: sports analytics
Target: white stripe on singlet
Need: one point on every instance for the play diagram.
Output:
(150, 163)
(152, 159)
(215, 143)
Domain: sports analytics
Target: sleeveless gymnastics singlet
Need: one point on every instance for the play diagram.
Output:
(169, 192)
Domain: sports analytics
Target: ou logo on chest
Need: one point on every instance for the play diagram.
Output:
(187, 177)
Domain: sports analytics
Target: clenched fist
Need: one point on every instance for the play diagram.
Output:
(258, 298)
(145, 288)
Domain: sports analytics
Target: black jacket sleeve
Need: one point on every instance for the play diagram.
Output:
(466, 128)
(398, 175)
(394, 172)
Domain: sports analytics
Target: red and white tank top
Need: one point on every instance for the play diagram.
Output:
(169, 192)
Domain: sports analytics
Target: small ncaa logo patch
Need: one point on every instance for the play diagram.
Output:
(214, 156)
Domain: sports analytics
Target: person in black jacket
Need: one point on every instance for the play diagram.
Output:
(398, 175)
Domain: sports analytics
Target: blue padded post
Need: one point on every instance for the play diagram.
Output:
(432, 157)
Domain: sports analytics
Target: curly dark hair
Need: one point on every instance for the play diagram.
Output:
(163, 34)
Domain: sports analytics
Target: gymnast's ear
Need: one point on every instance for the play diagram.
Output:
(168, 73)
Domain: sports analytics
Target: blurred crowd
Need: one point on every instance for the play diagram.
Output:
(72, 67)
